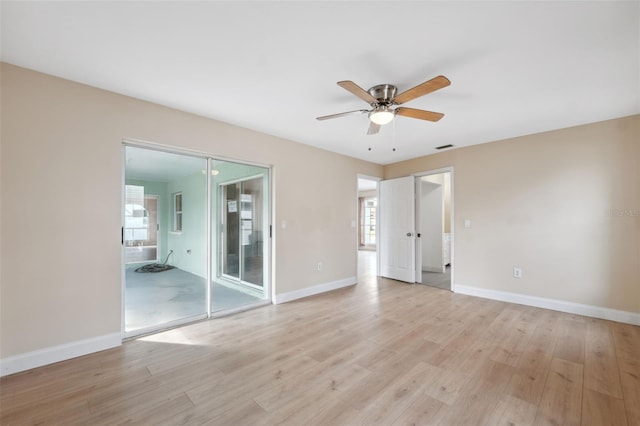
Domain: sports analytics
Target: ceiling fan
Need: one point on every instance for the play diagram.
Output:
(383, 97)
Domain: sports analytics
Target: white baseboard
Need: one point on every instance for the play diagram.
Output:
(553, 304)
(316, 289)
(40, 357)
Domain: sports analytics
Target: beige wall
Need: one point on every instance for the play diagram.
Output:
(539, 202)
(443, 179)
(542, 203)
(62, 175)
(371, 193)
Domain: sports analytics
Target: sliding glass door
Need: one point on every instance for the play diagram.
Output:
(230, 231)
(165, 241)
(192, 246)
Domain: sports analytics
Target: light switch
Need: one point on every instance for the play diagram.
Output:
(467, 223)
(283, 224)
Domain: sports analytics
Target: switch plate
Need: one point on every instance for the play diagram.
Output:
(467, 223)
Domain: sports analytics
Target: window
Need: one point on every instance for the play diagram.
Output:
(177, 212)
(367, 219)
(370, 207)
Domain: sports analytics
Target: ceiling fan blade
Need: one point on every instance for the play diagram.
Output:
(373, 128)
(432, 85)
(419, 113)
(341, 114)
(358, 91)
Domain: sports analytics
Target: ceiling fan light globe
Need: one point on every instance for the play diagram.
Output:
(381, 117)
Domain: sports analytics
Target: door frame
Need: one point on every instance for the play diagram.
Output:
(419, 175)
(217, 246)
(269, 248)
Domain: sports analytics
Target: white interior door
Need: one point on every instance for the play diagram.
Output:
(397, 229)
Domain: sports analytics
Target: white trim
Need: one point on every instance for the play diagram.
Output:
(241, 286)
(242, 179)
(40, 357)
(553, 304)
(368, 177)
(433, 172)
(242, 308)
(123, 264)
(272, 233)
(208, 225)
(316, 289)
(164, 326)
(186, 151)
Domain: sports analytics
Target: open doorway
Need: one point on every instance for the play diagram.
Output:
(402, 220)
(367, 224)
(433, 225)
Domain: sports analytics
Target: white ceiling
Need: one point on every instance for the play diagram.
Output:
(516, 67)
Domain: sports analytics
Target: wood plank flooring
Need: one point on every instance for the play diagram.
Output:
(379, 353)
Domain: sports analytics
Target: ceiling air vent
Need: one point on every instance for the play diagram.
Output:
(444, 146)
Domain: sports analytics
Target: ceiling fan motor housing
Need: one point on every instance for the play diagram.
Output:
(384, 93)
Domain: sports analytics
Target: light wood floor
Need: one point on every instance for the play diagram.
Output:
(379, 353)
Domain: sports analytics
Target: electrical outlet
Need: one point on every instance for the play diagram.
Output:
(517, 273)
(319, 266)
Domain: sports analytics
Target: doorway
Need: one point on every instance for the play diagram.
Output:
(241, 231)
(181, 238)
(416, 228)
(241, 215)
(433, 225)
(367, 204)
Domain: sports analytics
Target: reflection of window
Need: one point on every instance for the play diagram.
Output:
(177, 211)
(136, 222)
(136, 217)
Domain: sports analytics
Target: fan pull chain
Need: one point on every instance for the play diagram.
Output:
(393, 123)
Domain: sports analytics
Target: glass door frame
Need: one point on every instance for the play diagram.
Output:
(267, 248)
(220, 244)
